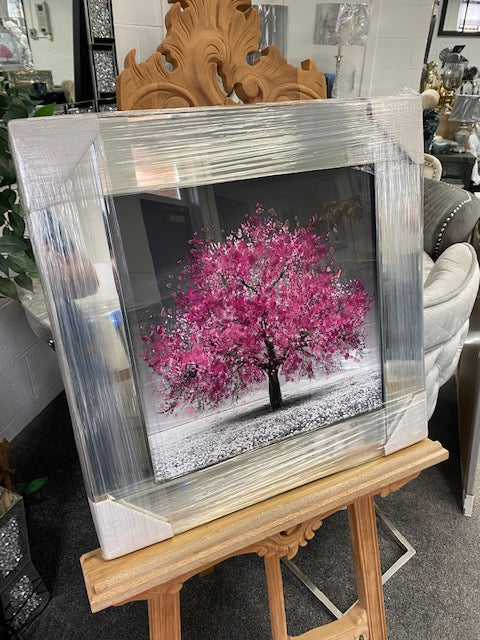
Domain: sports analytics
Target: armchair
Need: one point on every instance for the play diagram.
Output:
(451, 221)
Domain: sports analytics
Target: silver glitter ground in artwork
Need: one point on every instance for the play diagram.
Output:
(10, 547)
(100, 18)
(23, 601)
(104, 71)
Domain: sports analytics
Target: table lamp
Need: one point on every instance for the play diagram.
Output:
(452, 77)
(341, 24)
(467, 111)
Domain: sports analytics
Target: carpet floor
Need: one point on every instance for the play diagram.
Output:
(435, 595)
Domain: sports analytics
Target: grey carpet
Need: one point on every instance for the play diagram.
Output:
(436, 595)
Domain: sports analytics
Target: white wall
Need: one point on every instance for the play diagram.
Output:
(56, 54)
(138, 25)
(391, 61)
(29, 375)
(397, 46)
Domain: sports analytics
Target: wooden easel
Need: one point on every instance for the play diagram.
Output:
(273, 529)
(208, 39)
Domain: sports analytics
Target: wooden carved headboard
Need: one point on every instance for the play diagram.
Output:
(207, 39)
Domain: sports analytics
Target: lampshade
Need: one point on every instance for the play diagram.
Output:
(466, 109)
(341, 23)
(273, 25)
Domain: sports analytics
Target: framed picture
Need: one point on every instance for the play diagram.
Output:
(235, 296)
(254, 314)
(9, 54)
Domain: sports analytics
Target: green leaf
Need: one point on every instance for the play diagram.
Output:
(8, 198)
(8, 289)
(7, 168)
(17, 209)
(4, 100)
(35, 485)
(4, 268)
(24, 281)
(14, 111)
(17, 223)
(27, 100)
(20, 263)
(8, 180)
(45, 110)
(11, 244)
(4, 143)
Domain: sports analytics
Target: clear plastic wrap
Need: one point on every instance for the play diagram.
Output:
(342, 23)
(273, 25)
(212, 360)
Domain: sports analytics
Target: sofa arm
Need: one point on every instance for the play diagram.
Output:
(450, 215)
(450, 289)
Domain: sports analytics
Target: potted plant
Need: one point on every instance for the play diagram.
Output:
(17, 264)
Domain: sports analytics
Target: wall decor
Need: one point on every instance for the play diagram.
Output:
(459, 17)
(235, 296)
(9, 53)
(102, 53)
(341, 24)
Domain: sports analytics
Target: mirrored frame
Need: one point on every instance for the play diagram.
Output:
(71, 215)
(459, 17)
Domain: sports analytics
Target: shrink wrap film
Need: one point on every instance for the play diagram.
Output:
(235, 296)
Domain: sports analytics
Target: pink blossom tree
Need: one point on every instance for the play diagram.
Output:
(267, 300)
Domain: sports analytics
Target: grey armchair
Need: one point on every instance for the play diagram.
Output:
(451, 276)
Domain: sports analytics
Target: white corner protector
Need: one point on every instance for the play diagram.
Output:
(411, 426)
(122, 529)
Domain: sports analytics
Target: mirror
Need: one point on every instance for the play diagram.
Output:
(60, 51)
(460, 17)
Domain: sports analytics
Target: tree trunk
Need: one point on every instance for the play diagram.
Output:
(274, 390)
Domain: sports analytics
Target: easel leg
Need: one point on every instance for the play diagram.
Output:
(366, 560)
(164, 616)
(273, 573)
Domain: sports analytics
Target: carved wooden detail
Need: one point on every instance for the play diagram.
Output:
(352, 626)
(286, 543)
(395, 486)
(207, 40)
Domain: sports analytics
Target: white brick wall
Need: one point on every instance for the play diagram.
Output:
(138, 25)
(29, 375)
(397, 45)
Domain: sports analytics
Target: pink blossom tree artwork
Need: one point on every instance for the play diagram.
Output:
(268, 301)
(5, 52)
